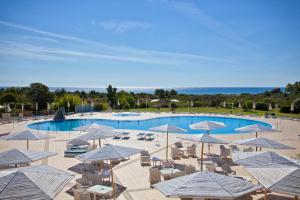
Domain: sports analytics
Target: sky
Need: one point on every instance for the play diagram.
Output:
(150, 43)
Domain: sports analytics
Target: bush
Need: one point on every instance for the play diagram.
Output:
(262, 106)
(100, 106)
(285, 109)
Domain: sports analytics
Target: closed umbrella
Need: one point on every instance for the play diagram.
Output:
(22, 107)
(270, 106)
(36, 182)
(292, 107)
(166, 128)
(192, 104)
(92, 106)
(26, 135)
(254, 105)
(20, 156)
(109, 152)
(206, 185)
(8, 109)
(224, 104)
(240, 105)
(204, 138)
(138, 103)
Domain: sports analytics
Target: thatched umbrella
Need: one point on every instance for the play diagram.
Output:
(111, 153)
(206, 185)
(33, 183)
(20, 156)
(166, 128)
(26, 135)
(204, 138)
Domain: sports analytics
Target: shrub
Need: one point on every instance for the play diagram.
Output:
(262, 106)
(100, 106)
(285, 109)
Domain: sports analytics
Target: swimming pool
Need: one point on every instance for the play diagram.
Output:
(180, 121)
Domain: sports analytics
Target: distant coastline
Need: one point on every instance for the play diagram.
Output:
(181, 90)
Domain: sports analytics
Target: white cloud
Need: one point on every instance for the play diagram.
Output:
(96, 51)
(121, 26)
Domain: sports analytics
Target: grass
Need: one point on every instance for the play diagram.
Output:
(235, 111)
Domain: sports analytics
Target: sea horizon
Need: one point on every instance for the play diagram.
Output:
(180, 90)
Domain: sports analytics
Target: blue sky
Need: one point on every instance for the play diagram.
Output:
(150, 43)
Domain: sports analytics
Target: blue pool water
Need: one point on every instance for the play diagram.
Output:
(180, 121)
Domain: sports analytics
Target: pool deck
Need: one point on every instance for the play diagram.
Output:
(130, 174)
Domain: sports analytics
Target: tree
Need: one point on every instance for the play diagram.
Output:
(276, 91)
(72, 99)
(160, 93)
(40, 93)
(293, 88)
(173, 92)
(112, 96)
(8, 97)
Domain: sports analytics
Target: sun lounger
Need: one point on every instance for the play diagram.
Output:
(140, 136)
(74, 152)
(125, 136)
(149, 136)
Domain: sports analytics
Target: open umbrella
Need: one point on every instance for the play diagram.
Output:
(282, 179)
(96, 132)
(206, 185)
(175, 100)
(261, 159)
(37, 182)
(20, 156)
(166, 128)
(256, 128)
(154, 100)
(208, 126)
(264, 143)
(26, 135)
(109, 152)
(204, 138)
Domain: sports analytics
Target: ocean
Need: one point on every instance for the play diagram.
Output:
(185, 90)
(181, 90)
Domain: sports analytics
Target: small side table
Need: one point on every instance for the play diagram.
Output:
(100, 190)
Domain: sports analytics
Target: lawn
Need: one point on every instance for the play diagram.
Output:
(236, 111)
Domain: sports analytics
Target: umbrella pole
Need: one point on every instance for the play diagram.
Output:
(99, 143)
(94, 144)
(27, 144)
(208, 145)
(167, 146)
(202, 148)
(256, 137)
(112, 180)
